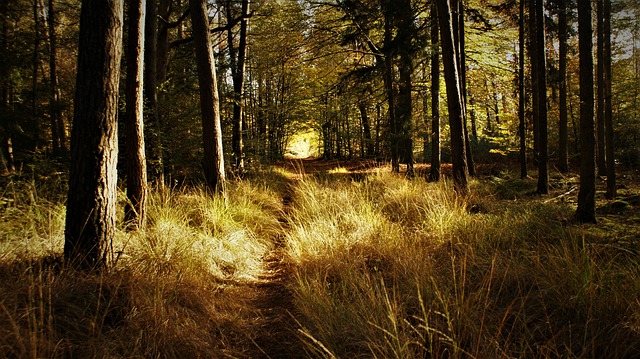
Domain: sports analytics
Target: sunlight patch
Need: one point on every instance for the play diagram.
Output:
(303, 145)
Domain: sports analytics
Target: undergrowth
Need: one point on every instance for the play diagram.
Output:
(169, 294)
(392, 268)
(379, 267)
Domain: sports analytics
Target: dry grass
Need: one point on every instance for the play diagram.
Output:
(380, 267)
(172, 292)
(391, 268)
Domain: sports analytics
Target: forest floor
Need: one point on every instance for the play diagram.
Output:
(268, 302)
(310, 260)
(270, 299)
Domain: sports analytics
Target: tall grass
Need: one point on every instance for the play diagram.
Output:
(172, 291)
(381, 267)
(391, 268)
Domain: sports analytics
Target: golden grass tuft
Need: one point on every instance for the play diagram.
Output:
(380, 266)
(170, 293)
(393, 268)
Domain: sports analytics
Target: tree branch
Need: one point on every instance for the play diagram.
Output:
(213, 31)
(170, 25)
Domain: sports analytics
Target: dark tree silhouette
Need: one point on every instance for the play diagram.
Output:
(405, 68)
(454, 97)
(563, 133)
(237, 73)
(434, 175)
(58, 131)
(213, 161)
(134, 213)
(154, 133)
(521, 94)
(608, 111)
(601, 163)
(586, 211)
(541, 90)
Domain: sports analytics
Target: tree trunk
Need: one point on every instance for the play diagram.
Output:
(462, 64)
(58, 132)
(261, 121)
(378, 130)
(543, 173)
(388, 78)
(434, 174)
(6, 88)
(135, 208)
(404, 109)
(563, 133)
(91, 201)
(7, 149)
(586, 212)
(154, 133)
(535, 78)
(162, 44)
(213, 161)
(366, 128)
(600, 144)
(608, 111)
(424, 95)
(237, 70)
(34, 78)
(472, 118)
(454, 97)
(347, 128)
(521, 94)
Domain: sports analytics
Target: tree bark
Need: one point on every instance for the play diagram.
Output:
(213, 161)
(388, 78)
(608, 111)
(535, 75)
(261, 121)
(434, 174)
(154, 133)
(563, 132)
(462, 64)
(91, 201)
(162, 44)
(34, 78)
(586, 211)
(58, 131)
(6, 105)
(135, 208)
(404, 109)
(472, 119)
(238, 69)
(454, 97)
(366, 129)
(543, 171)
(521, 94)
(601, 164)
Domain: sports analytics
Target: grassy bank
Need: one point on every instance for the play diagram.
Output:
(378, 267)
(391, 268)
(172, 291)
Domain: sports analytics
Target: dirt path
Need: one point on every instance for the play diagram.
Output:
(274, 302)
(267, 304)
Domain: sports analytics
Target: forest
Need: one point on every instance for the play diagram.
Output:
(319, 179)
